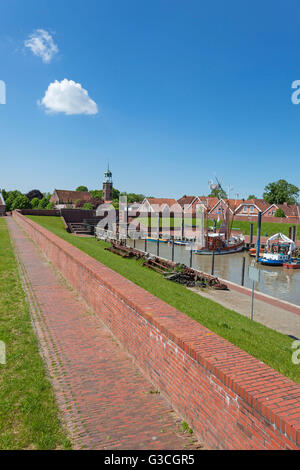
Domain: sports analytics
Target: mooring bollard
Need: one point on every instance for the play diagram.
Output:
(251, 234)
(134, 243)
(213, 264)
(243, 271)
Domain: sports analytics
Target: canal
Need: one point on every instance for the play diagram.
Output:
(275, 281)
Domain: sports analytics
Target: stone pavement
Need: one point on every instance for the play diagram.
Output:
(274, 316)
(105, 401)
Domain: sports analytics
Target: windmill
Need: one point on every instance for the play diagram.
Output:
(216, 186)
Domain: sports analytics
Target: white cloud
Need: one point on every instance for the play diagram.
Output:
(42, 45)
(68, 97)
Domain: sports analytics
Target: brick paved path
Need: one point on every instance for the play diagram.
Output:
(105, 401)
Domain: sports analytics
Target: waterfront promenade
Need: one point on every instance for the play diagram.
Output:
(105, 401)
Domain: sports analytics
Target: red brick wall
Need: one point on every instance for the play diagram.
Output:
(53, 212)
(229, 398)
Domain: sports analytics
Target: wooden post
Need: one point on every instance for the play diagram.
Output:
(243, 271)
(191, 256)
(172, 224)
(182, 225)
(258, 235)
(294, 233)
(173, 249)
(149, 223)
(213, 263)
(251, 234)
(290, 232)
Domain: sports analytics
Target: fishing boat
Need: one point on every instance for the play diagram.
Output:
(161, 240)
(218, 244)
(279, 249)
(223, 242)
(293, 264)
(181, 242)
(252, 252)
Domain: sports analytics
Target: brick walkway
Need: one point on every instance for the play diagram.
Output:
(105, 401)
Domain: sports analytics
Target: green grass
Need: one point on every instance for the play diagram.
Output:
(269, 228)
(28, 411)
(267, 345)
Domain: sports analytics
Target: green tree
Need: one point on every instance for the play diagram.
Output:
(34, 202)
(20, 202)
(219, 193)
(96, 193)
(279, 213)
(281, 191)
(132, 197)
(115, 193)
(10, 198)
(82, 188)
(43, 203)
(88, 206)
(251, 196)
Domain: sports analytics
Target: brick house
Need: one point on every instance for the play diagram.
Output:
(251, 207)
(166, 205)
(63, 199)
(291, 211)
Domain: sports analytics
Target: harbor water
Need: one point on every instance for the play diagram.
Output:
(277, 281)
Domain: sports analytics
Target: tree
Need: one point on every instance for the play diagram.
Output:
(82, 188)
(96, 193)
(20, 202)
(88, 206)
(281, 191)
(34, 202)
(9, 198)
(132, 197)
(279, 213)
(251, 196)
(43, 203)
(219, 193)
(35, 193)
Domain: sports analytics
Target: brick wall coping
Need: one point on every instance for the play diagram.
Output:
(270, 395)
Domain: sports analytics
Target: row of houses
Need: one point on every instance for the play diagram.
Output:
(216, 208)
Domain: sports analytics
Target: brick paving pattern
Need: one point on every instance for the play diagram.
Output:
(105, 401)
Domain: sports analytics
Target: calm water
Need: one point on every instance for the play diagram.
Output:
(276, 281)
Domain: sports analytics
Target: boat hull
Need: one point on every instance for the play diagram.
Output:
(292, 265)
(224, 251)
(270, 262)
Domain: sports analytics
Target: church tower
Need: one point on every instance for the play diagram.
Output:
(107, 192)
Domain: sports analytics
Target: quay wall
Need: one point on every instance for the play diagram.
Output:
(230, 399)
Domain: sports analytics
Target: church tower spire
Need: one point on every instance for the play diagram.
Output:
(107, 192)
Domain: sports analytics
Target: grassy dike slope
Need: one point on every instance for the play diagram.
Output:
(28, 411)
(261, 342)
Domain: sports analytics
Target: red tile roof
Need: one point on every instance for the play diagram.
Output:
(161, 201)
(290, 210)
(66, 196)
(185, 200)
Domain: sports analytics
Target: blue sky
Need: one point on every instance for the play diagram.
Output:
(183, 89)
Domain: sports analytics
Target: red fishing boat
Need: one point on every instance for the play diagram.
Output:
(293, 264)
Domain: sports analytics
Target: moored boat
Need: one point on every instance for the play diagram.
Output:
(293, 264)
(161, 240)
(218, 244)
(278, 250)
